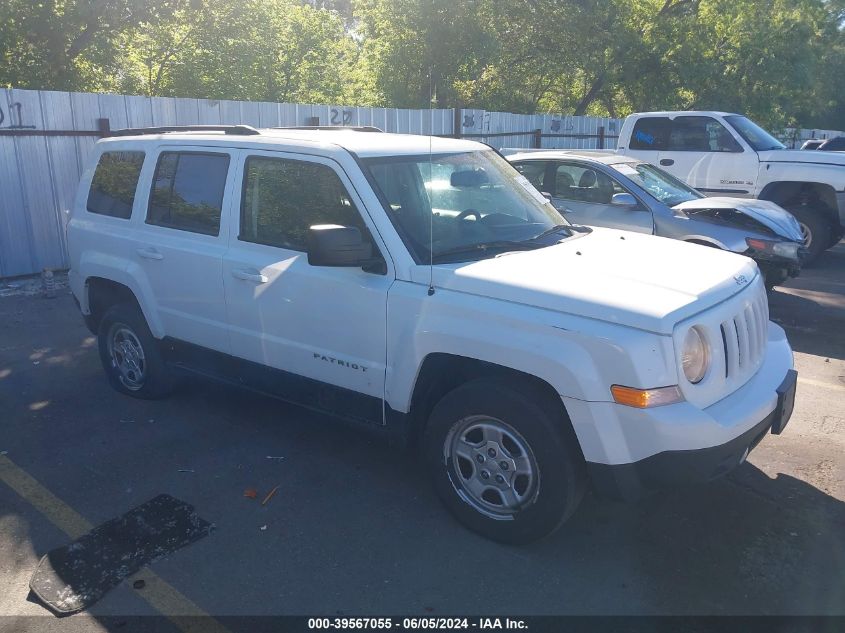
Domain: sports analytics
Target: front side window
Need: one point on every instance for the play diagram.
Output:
(584, 184)
(651, 133)
(701, 134)
(660, 185)
(115, 180)
(283, 198)
(188, 191)
(758, 138)
(463, 206)
(534, 170)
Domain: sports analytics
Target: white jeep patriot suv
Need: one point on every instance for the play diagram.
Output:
(422, 286)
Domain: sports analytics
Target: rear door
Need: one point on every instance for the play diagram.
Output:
(324, 328)
(179, 244)
(705, 154)
(585, 195)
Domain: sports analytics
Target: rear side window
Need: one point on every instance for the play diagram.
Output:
(651, 133)
(187, 191)
(283, 198)
(115, 181)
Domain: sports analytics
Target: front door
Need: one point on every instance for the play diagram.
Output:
(323, 328)
(704, 153)
(585, 195)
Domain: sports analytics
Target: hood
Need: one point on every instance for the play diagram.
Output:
(636, 280)
(802, 156)
(779, 220)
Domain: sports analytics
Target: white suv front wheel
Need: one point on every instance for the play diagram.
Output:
(501, 459)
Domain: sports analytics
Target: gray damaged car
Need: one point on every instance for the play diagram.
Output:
(606, 189)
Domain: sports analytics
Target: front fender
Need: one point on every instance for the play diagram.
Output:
(580, 358)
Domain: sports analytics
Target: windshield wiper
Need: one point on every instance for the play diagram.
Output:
(556, 228)
(483, 248)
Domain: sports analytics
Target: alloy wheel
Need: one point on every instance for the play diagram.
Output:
(492, 466)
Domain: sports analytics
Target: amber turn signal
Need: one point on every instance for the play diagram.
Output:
(646, 398)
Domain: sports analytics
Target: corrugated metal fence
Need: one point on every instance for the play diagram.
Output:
(46, 136)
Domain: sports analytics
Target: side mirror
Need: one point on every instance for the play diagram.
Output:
(623, 200)
(334, 245)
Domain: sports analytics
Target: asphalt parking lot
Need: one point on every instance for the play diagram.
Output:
(354, 527)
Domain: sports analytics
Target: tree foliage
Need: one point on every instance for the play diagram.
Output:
(780, 61)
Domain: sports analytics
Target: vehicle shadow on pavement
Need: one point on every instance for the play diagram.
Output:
(744, 544)
(811, 327)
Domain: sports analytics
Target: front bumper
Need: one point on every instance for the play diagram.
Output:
(631, 451)
(671, 469)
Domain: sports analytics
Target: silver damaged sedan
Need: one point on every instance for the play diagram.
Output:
(606, 189)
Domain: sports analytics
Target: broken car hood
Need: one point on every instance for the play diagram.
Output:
(779, 220)
(636, 280)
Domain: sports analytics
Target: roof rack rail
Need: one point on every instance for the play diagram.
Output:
(354, 128)
(237, 130)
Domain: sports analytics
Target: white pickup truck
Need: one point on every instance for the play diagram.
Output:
(723, 154)
(425, 288)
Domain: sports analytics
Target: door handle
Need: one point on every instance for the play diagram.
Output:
(249, 275)
(150, 253)
(667, 162)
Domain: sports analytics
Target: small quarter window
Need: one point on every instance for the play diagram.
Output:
(187, 191)
(115, 180)
(283, 198)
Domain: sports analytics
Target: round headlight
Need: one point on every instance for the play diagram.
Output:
(695, 356)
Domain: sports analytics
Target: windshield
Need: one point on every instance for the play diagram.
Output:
(662, 186)
(758, 138)
(463, 206)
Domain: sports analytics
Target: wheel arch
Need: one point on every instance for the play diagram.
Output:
(101, 293)
(705, 241)
(442, 372)
(795, 193)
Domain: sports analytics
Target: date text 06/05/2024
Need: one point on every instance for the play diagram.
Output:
(429, 623)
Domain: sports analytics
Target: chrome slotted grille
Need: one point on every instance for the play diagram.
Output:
(744, 337)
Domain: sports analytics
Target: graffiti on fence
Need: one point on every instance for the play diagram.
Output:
(336, 117)
(15, 114)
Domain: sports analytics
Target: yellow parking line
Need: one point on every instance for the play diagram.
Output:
(157, 592)
(820, 383)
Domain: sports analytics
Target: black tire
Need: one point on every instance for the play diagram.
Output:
(539, 424)
(123, 328)
(816, 228)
